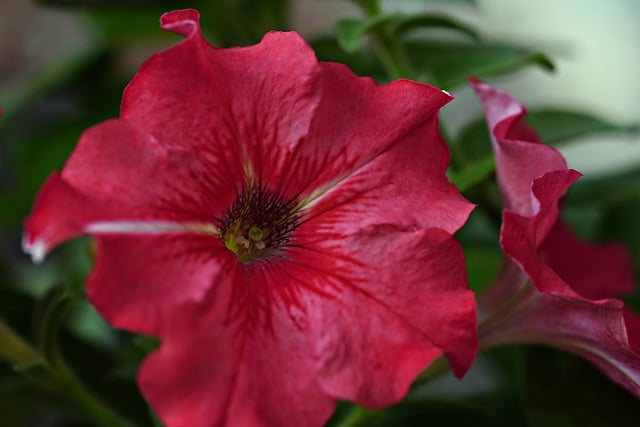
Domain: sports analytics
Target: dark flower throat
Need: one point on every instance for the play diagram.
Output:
(258, 224)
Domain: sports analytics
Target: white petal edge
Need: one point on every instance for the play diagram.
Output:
(150, 227)
(38, 249)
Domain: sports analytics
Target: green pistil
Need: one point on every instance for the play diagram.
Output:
(255, 234)
(247, 246)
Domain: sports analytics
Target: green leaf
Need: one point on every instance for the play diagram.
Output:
(351, 31)
(474, 142)
(413, 22)
(86, 324)
(483, 255)
(361, 62)
(48, 318)
(370, 7)
(450, 64)
(585, 220)
(557, 126)
(605, 190)
(621, 224)
(483, 266)
(132, 354)
(474, 173)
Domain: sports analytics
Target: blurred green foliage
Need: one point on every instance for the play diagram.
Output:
(44, 119)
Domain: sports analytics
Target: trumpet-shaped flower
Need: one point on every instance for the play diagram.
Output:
(283, 226)
(556, 290)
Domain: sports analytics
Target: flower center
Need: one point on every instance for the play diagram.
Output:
(258, 224)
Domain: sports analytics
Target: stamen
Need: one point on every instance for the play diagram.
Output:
(258, 224)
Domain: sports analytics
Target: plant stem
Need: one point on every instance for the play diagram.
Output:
(14, 349)
(55, 378)
(75, 391)
(393, 58)
(357, 417)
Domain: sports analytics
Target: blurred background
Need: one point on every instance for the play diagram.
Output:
(64, 64)
(594, 46)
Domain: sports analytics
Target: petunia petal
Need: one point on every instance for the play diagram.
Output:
(190, 379)
(386, 279)
(275, 334)
(570, 305)
(119, 174)
(121, 163)
(593, 330)
(161, 271)
(632, 323)
(414, 192)
(357, 120)
(520, 158)
(59, 213)
(278, 367)
(595, 271)
(290, 121)
(354, 330)
(244, 130)
(212, 369)
(185, 22)
(521, 236)
(297, 125)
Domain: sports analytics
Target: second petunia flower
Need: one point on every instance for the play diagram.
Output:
(555, 289)
(283, 226)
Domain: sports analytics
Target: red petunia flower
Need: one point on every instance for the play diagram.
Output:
(570, 301)
(282, 225)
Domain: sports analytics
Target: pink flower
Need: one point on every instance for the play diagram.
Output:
(282, 225)
(570, 301)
